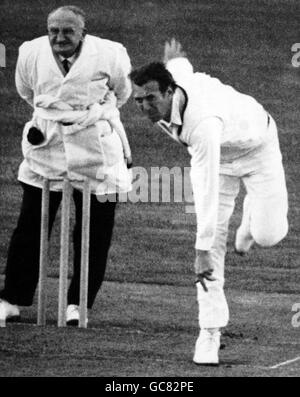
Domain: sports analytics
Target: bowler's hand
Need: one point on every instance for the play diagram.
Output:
(203, 268)
(173, 49)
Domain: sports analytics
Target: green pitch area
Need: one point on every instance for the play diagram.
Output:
(149, 330)
(144, 322)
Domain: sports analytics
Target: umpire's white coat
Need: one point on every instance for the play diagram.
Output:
(91, 149)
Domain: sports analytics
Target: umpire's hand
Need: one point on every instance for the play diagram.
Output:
(203, 268)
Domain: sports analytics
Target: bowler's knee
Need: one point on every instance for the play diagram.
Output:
(269, 238)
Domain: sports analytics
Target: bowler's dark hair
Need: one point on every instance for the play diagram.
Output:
(154, 71)
(76, 10)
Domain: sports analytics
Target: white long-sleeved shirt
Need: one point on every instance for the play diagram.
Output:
(218, 124)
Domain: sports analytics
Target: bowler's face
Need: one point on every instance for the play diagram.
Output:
(65, 31)
(152, 102)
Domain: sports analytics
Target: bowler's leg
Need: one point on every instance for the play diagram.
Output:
(213, 309)
(267, 224)
(266, 203)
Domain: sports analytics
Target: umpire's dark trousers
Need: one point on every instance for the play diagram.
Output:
(22, 268)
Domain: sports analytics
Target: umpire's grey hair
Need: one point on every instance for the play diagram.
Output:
(74, 9)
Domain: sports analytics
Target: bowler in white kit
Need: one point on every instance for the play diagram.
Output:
(231, 138)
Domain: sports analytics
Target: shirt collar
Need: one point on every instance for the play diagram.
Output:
(70, 59)
(174, 127)
(177, 106)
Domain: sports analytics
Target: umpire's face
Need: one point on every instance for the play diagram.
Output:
(154, 104)
(66, 31)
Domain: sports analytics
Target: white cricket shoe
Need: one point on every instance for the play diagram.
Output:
(243, 241)
(73, 315)
(207, 348)
(8, 311)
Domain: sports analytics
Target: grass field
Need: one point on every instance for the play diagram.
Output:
(144, 322)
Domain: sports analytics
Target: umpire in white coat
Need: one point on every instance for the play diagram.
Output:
(75, 83)
(230, 138)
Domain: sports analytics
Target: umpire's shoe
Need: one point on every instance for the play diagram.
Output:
(73, 315)
(8, 312)
(207, 348)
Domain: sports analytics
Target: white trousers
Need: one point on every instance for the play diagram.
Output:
(264, 215)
